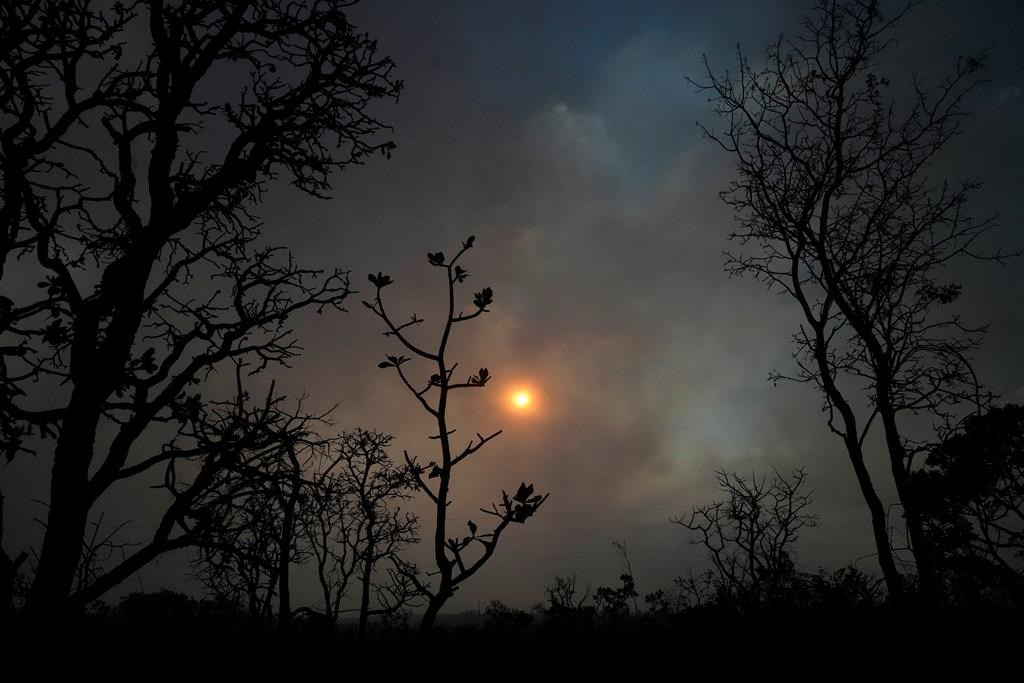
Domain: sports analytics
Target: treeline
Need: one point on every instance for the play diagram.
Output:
(972, 483)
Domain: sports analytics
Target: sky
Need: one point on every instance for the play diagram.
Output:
(564, 137)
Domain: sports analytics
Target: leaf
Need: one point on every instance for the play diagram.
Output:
(523, 493)
(148, 363)
(483, 298)
(380, 280)
(461, 273)
(436, 259)
(384, 364)
(522, 513)
(394, 360)
(54, 333)
(468, 244)
(187, 407)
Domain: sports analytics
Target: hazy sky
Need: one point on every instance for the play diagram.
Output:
(562, 135)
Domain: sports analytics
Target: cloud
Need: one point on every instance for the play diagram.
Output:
(1009, 94)
(577, 138)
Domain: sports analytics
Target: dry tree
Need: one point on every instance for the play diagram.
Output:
(457, 556)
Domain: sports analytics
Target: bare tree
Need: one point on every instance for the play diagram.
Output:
(130, 167)
(332, 501)
(567, 603)
(252, 514)
(356, 529)
(328, 508)
(453, 559)
(836, 210)
(238, 561)
(749, 537)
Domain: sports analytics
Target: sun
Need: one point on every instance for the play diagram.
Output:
(521, 400)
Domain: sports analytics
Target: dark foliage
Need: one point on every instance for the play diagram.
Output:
(502, 619)
(565, 607)
(972, 497)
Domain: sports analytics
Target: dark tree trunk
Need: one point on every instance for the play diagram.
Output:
(97, 363)
(849, 433)
(444, 565)
(919, 543)
(284, 551)
(284, 606)
(430, 616)
(68, 514)
(879, 527)
(364, 600)
(8, 574)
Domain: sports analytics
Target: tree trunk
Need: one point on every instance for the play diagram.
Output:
(430, 616)
(364, 601)
(879, 527)
(444, 566)
(919, 543)
(284, 599)
(284, 606)
(97, 361)
(68, 514)
(8, 575)
(849, 433)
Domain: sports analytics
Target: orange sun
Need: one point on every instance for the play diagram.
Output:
(521, 399)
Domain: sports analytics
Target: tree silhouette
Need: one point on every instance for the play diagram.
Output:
(836, 210)
(749, 537)
(252, 520)
(454, 556)
(613, 603)
(504, 621)
(354, 524)
(136, 141)
(972, 498)
(566, 605)
(329, 501)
